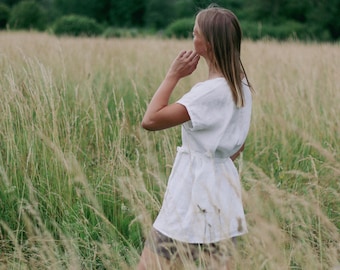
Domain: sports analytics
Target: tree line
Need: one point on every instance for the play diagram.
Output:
(281, 19)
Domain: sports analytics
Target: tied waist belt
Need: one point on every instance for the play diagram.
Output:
(209, 155)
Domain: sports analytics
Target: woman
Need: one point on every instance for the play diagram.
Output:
(202, 207)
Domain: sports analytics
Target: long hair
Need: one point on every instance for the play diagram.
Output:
(221, 29)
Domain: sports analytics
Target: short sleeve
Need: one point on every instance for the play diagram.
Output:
(207, 104)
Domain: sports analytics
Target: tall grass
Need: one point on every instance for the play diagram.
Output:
(81, 182)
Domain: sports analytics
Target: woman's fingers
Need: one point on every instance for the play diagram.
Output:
(185, 63)
(189, 54)
(181, 54)
(190, 57)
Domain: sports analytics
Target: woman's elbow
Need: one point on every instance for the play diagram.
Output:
(148, 125)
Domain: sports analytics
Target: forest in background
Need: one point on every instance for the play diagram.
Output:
(280, 19)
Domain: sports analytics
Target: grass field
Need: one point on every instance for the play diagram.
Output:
(81, 182)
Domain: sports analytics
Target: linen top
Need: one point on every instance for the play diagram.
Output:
(202, 202)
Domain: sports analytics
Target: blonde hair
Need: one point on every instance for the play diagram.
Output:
(221, 29)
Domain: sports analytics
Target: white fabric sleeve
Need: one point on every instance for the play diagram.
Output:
(204, 106)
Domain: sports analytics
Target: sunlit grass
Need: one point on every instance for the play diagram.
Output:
(81, 182)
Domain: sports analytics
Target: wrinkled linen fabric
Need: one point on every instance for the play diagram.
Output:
(203, 202)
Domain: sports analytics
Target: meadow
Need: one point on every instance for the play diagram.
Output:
(81, 181)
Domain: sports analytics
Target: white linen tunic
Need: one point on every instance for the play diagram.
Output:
(202, 202)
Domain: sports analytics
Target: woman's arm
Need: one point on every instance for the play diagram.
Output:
(159, 113)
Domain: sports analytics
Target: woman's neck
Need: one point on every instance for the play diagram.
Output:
(213, 72)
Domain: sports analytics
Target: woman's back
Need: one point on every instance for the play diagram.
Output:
(217, 127)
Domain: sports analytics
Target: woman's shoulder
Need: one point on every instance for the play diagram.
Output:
(211, 85)
(214, 88)
(213, 82)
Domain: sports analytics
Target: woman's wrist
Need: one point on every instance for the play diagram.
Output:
(172, 77)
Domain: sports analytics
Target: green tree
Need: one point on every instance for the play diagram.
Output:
(10, 2)
(296, 10)
(181, 28)
(98, 10)
(324, 18)
(77, 25)
(160, 14)
(27, 14)
(185, 8)
(263, 10)
(129, 13)
(230, 4)
(4, 15)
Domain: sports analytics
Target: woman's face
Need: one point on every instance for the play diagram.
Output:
(200, 44)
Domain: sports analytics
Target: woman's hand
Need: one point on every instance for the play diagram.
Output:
(184, 64)
(159, 114)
